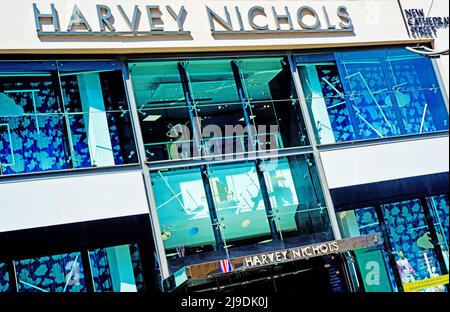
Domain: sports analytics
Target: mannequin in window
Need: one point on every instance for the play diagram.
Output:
(407, 273)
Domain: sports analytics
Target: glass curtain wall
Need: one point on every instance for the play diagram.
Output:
(63, 115)
(212, 212)
(227, 106)
(371, 94)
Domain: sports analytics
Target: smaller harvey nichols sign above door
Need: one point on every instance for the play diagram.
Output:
(155, 20)
(198, 271)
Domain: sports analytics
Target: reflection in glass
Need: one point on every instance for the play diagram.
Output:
(239, 203)
(161, 106)
(59, 273)
(95, 100)
(183, 211)
(364, 221)
(217, 102)
(270, 91)
(116, 269)
(223, 95)
(296, 197)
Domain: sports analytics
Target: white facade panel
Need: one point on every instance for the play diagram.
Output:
(47, 202)
(376, 163)
(375, 22)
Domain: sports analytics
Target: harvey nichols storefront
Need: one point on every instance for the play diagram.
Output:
(205, 145)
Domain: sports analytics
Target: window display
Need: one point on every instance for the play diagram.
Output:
(63, 115)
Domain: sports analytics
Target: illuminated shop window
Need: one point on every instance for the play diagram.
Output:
(59, 273)
(63, 115)
(371, 94)
(216, 94)
(117, 269)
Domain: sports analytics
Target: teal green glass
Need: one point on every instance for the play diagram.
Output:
(182, 209)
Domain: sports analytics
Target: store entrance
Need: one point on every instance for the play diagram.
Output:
(321, 274)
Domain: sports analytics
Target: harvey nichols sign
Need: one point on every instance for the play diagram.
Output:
(154, 20)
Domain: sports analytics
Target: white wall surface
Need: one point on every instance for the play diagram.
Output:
(375, 22)
(376, 163)
(65, 200)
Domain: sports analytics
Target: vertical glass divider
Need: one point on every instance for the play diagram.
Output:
(86, 263)
(266, 198)
(312, 139)
(433, 235)
(388, 247)
(212, 207)
(12, 276)
(70, 162)
(253, 142)
(196, 128)
(244, 101)
(153, 214)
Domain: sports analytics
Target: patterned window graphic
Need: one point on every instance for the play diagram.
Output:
(4, 278)
(371, 94)
(415, 255)
(63, 115)
(59, 273)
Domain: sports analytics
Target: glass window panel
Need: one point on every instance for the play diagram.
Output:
(325, 97)
(417, 91)
(4, 278)
(95, 103)
(59, 273)
(297, 201)
(162, 109)
(218, 104)
(439, 210)
(63, 115)
(410, 239)
(239, 203)
(371, 94)
(183, 211)
(273, 101)
(368, 87)
(31, 130)
(116, 269)
(364, 221)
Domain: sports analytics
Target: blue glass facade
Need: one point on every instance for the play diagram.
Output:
(63, 115)
(370, 94)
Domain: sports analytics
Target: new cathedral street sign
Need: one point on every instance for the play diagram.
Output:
(156, 20)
